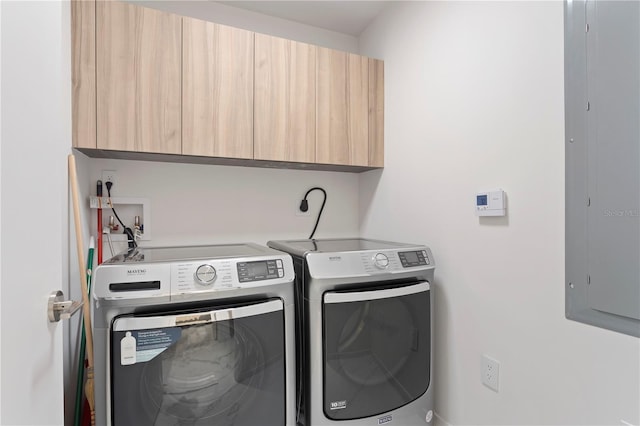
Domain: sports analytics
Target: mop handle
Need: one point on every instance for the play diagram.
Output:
(81, 268)
(89, 385)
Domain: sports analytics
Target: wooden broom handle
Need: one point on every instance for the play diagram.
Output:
(73, 178)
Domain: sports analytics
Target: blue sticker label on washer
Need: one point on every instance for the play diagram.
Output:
(151, 343)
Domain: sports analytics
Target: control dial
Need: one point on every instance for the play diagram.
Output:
(381, 260)
(205, 274)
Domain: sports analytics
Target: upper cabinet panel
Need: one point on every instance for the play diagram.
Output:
(146, 82)
(285, 103)
(343, 108)
(138, 78)
(376, 113)
(217, 98)
(83, 73)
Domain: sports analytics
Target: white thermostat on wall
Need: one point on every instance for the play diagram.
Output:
(490, 203)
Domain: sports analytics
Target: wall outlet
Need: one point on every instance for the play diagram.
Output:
(108, 176)
(490, 373)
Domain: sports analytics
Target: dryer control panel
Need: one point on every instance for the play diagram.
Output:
(368, 262)
(410, 259)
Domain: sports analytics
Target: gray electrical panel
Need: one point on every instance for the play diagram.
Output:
(602, 112)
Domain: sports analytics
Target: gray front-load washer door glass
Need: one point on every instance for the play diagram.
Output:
(204, 367)
(376, 353)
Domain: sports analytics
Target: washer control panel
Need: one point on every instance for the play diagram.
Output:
(380, 260)
(260, 270)
(224, 274)
(191, 272)
(197, 276)
(410, 259)
(205, 274)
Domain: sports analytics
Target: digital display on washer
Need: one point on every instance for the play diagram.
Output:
(257, 269)
(413, 258)
(260, 270)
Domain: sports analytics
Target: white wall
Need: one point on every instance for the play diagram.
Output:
(473, 100)
(204, 204)
(253, 21)
(36, 136)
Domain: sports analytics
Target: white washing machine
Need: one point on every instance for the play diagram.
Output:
(364, 332)
(195, 336)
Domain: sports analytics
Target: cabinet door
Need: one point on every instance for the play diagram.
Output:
(343, 108)
(285, 103)
(376, 113)
(83, 73)
(217, 97)
(138, 78)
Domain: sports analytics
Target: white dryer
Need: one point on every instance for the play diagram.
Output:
(198, 335)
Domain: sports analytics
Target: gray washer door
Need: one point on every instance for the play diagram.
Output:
(216, 365)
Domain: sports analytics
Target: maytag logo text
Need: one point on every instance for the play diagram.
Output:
(384, 420)
(338, 405)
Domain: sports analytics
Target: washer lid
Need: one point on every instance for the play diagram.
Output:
(340, 245)
(172, 254)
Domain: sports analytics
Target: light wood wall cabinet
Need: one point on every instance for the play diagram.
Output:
(343, 108)
(285, 103)
(137, 79)
(376, 113)
(152, 85)
(217, 98)
(83, 73)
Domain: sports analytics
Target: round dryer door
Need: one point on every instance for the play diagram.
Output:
(376, 350)
(221, 366)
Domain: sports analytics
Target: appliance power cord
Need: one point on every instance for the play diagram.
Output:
(131, 240)
(304, 206)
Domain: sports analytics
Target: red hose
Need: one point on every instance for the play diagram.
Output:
(99, 236)
(99, 194)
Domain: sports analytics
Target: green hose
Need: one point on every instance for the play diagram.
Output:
(81, 354)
